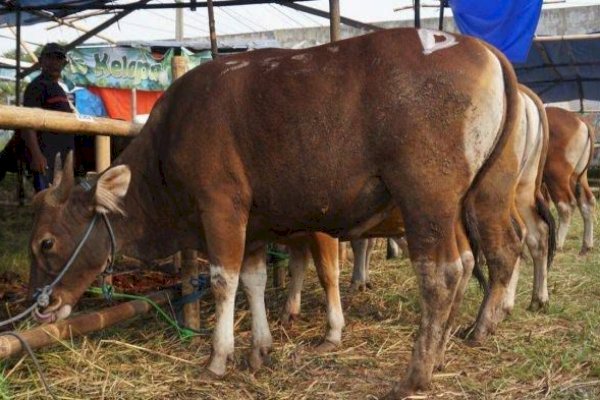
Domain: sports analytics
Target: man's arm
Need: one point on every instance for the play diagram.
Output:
(33, 97)
(38, 161)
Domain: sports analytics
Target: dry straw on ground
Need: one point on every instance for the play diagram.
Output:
(532, 356)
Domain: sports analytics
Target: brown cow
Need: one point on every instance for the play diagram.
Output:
(429, 111)
(565, 175)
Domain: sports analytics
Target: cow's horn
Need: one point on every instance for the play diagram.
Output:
(57, 170)
(66, 180)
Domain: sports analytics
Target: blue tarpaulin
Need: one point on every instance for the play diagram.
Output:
(564, 70)
(8, 15)
(507, 24)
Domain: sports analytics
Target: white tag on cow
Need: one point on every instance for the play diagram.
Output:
(428, 40)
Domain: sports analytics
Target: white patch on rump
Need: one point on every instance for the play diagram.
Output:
(430, 40)
(484, 118)
(333, 49)
(299, 57)
(578, 149)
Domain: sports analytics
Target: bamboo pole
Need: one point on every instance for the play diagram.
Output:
(12, 117)
(188, 258)
(214, 49)
(189, 272)
(81, 324)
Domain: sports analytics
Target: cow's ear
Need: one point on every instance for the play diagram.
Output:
(111, 188)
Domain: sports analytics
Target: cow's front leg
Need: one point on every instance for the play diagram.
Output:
(225, 238)
(254, 281)
(325, 254)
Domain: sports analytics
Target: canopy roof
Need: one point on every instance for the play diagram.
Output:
(565, 70)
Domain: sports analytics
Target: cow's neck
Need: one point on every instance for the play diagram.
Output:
(146, 230)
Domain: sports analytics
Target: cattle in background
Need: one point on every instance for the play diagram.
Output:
(565, 175)
(208, 172)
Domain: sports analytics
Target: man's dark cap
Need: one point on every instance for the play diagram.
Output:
(53, 48)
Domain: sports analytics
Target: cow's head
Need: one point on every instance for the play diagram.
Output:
(62, 215)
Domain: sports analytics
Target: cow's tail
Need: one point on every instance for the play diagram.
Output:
(509, 128)
(541, 204)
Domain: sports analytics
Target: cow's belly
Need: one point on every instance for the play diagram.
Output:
(338, 209)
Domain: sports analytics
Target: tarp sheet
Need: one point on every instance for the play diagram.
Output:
(8, 16)
(565, 72)
(508, 25)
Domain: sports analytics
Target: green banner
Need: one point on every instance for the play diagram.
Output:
(195, 59)
(118, 67)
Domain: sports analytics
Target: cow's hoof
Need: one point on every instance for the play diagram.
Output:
(507, 309)
(357, 286)
(466, 332)
(288, 319)
(539, 306)
(478, 336)
(207, 376)
(326, 347)
(585, 250)
(399, 392)
(259, 357)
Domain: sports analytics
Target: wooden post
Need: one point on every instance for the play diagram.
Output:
(178, 66)
(334, 20)
(189, 271)
(81, 324)
(279, 267)
(102, 153)
(214, 49)
(38, 119)
(189, 257)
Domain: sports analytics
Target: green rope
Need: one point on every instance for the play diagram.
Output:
(184, 333)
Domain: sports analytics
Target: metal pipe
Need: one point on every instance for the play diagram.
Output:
(214, 49)
(18, 55)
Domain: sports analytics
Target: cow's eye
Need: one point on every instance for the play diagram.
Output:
(47, 244)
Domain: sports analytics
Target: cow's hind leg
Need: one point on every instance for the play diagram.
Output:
(299, 259)
(434, 254)
(359, 271)
(254, 281)
(587, 203)
(564, 199)
(502, 248)
(468, 262)
(324, 250)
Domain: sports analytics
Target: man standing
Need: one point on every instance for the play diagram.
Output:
(45, 92)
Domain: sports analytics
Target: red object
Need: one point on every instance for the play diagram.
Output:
(118, 101)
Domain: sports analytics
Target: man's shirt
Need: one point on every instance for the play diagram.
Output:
(45, 93)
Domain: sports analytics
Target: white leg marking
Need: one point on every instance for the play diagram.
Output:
(254, 280)
(564, 220)
(224, 285)
(484, 118)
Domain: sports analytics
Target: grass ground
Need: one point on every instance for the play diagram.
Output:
(532, 356)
